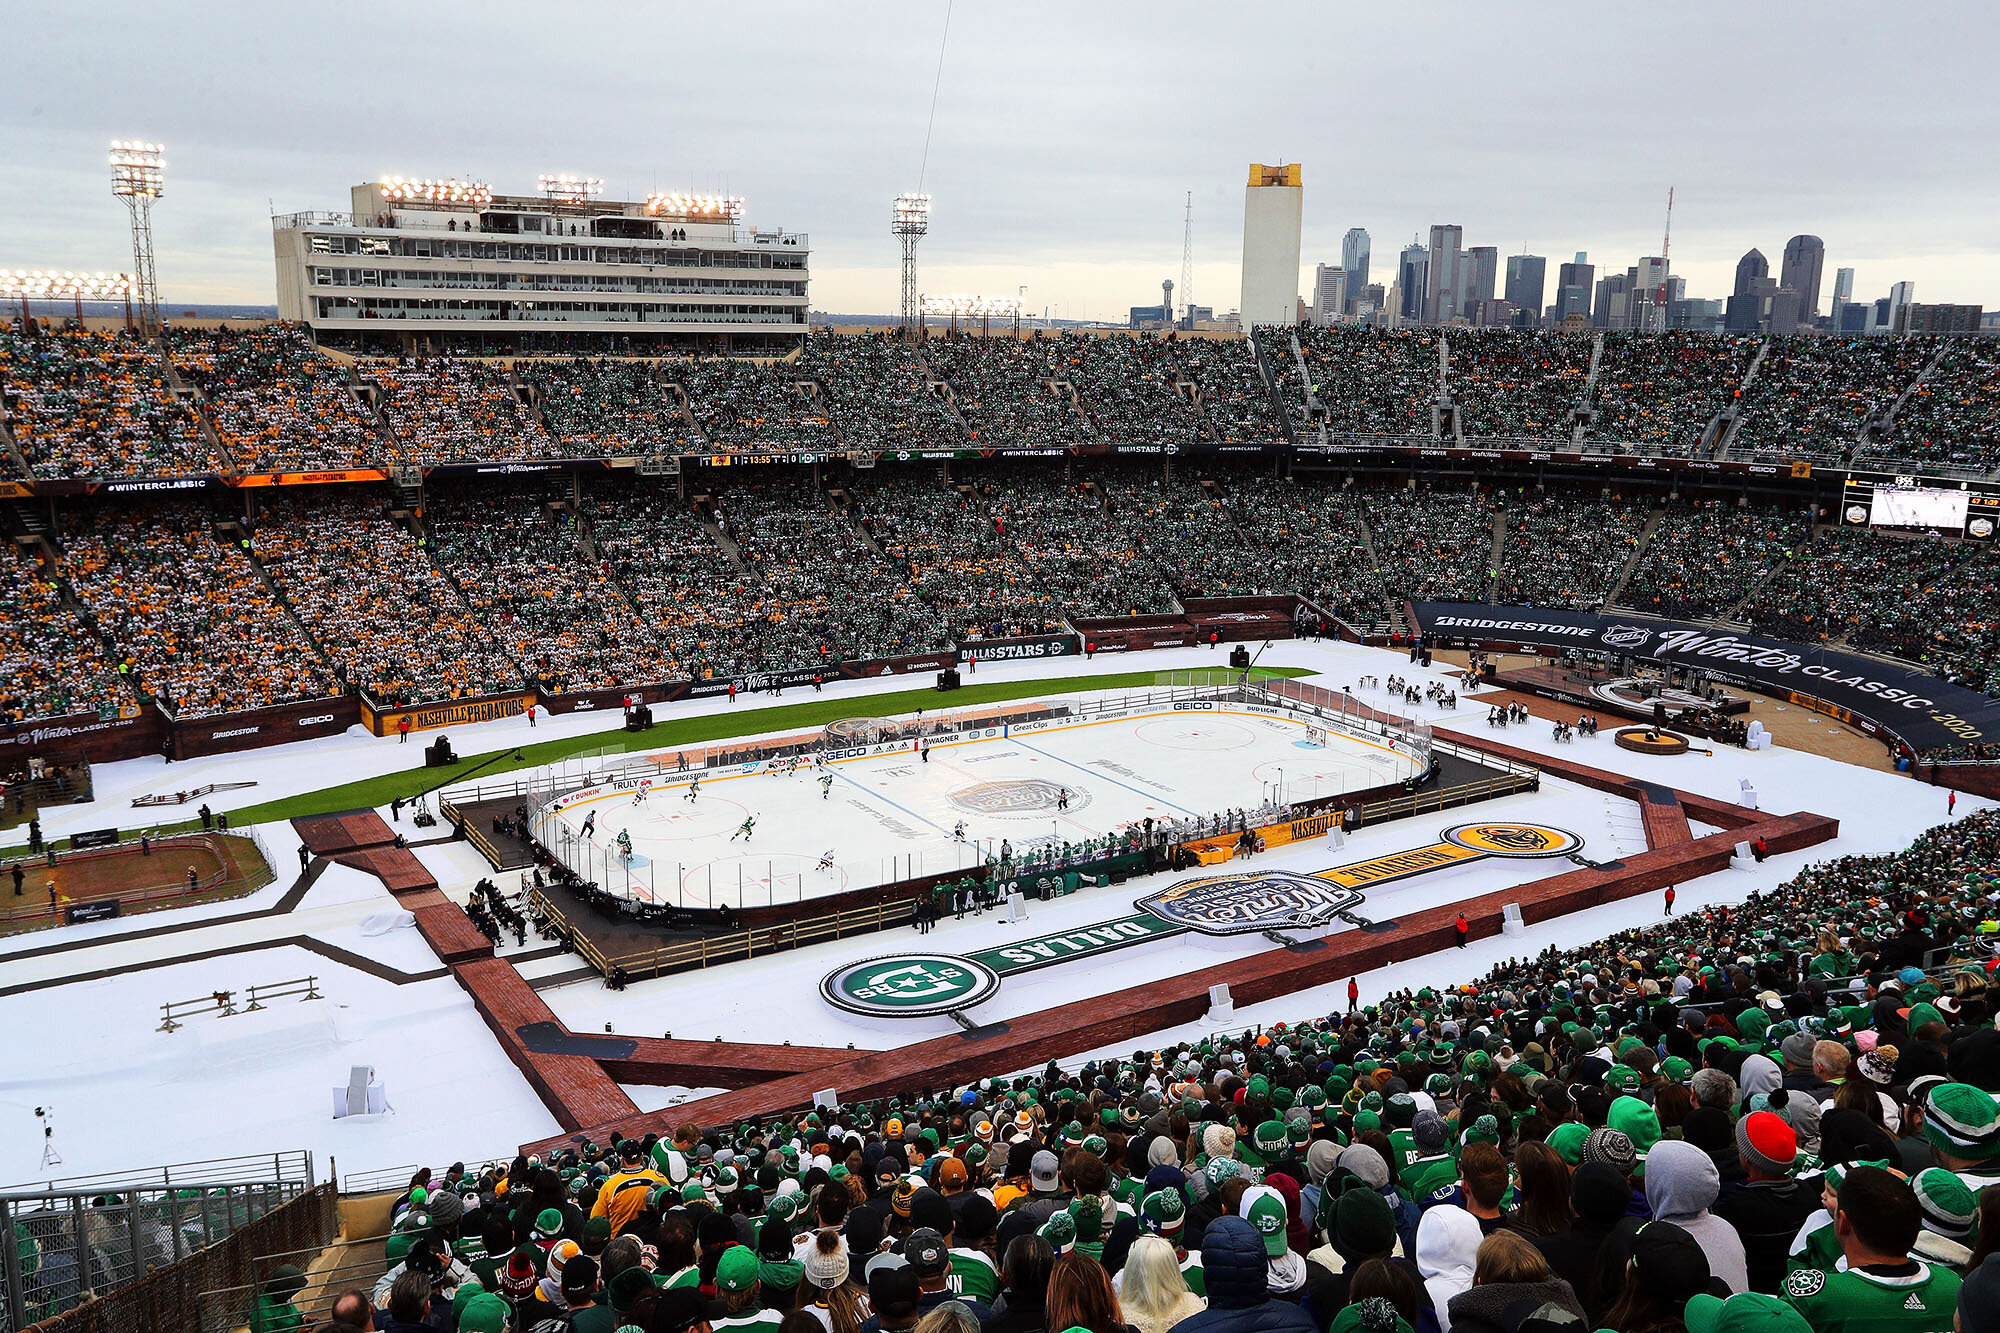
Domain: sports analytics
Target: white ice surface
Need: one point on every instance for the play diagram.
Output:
(126, 1096)
(892, 816)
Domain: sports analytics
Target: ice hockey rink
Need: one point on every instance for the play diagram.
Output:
(884, 817)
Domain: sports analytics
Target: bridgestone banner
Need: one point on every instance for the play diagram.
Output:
(1922, 711)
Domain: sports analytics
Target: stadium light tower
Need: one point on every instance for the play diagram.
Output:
(910, 221)
(138, 176)
(567, 189)
(49, 285)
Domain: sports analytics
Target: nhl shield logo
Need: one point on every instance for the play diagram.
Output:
(1626, 636)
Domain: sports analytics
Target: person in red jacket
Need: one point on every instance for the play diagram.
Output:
(1464, 929)
(1353, 995)
(1670, 900)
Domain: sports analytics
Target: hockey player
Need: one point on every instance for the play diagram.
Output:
(625, 844)
(958, 831)
(639, 796)
(694, 788)
(825, 860)
(825, 785)
(745, 829)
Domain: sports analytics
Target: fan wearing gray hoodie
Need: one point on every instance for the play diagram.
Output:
(1681, 1186)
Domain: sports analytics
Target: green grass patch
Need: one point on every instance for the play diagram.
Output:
(726, 725)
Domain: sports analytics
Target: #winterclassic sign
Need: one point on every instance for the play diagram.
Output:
(1922, 710)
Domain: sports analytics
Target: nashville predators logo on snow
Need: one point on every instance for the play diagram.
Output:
(1266, 900)
(1513, 839)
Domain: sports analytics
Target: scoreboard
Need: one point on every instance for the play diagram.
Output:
(1910, 504)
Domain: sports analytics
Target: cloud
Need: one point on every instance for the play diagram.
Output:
(1066, 136)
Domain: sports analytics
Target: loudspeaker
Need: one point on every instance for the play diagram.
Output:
(1488, 672)
(1425, 659)
(947, 679)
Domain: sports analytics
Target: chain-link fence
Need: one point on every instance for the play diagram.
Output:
(69, 1241)
(167, 1299)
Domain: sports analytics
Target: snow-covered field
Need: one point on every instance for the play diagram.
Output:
(124, 1095)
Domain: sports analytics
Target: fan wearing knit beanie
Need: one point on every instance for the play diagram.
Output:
(1771, 1205)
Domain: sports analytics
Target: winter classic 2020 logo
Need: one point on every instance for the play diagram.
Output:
(908, 985)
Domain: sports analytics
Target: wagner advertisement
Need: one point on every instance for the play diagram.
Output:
(1924, 712)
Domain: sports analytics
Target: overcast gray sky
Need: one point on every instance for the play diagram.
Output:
(1067, 135)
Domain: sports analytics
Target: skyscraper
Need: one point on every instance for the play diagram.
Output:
(1524, 282)
(1413, 276)
(1441, 290)
(1573, 287)
(1329, 294)
(1805, 256)
(1354, 259)
(1843, 296)
(1482, 273)
(1750, 268)
(1273, 212)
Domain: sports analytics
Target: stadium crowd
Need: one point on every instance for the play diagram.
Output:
(1524, 385)
(362, 585)
(1813, 395)
(1657, 392)
(751, 405)
(1953, 416)
(1005, 389)
(55, 666)
(277, 405)
(446, 408)
(556, 611)
(878, 392)
(1565, 552)
(199, 630)
(1366, 381)
(95, 405)
(605, 409)
(1435, 545)
(85, 405)
(1930, 601)
(1704, 558)
(1778, 1117)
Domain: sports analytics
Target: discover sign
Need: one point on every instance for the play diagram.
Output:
(1924, 712)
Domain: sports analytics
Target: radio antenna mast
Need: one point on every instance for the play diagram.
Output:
(1666, 253)
(1187, 262)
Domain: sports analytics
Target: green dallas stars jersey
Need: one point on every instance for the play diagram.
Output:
(973, 1275)
(1857, 1301)
(1191, 1271)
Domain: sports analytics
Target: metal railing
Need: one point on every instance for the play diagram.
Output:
(78, 1239)
(166, 1296)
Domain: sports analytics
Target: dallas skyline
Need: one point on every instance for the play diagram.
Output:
(1058, 163)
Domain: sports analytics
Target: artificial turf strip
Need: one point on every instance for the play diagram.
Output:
(741, 721)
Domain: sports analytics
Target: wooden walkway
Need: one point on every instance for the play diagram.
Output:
(1675, 856)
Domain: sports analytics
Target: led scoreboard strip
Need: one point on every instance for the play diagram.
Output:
(1922, 504)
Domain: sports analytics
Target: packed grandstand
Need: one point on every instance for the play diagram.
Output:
(233, 401)
(1779, 1115)
(617, 580)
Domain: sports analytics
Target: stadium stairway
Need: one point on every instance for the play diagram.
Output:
(1617, 588)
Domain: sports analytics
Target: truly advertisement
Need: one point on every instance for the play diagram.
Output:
(1924, 711)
